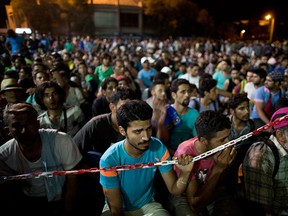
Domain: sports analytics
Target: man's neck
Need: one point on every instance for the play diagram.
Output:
(180, 109)
(256, 86)
(237, 123)
(132, 151)
(205, 101)
(32, 151)
(55, 115)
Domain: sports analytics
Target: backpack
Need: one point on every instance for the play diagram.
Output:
(220, 109)
(233, 182)
(269, 108)
(242, 148)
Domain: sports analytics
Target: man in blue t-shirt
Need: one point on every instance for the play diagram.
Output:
(14, 42)
(131, 191)
(266, 97)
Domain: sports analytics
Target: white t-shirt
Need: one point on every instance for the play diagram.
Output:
(192, 80)
(250, 90)
(66, 153)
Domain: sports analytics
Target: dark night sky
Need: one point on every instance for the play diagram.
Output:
(244, 9)
(3, 13)
(221, 9)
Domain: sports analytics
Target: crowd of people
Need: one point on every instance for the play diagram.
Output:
(69, 103)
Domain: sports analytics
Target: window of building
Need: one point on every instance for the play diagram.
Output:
(105, 19)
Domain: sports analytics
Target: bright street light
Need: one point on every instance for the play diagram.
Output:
(242, 33)
(271, 28)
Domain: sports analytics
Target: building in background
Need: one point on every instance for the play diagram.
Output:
(118, 17)
(109, 17)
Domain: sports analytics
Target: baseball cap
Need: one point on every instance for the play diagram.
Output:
(278, 114)
(151, 60)
(165, 69)
(144, 59)
(138, 49)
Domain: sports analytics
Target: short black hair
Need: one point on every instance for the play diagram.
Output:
(132, 111)
(236, 99)
(161, 76)
(21, 108)
(210, 122)
(193, 86)
(106, 81)
(157, 82)
(260, 72)
(177, 82)
(122, 93)
(12, 74)
(206, 85)
(106, 55)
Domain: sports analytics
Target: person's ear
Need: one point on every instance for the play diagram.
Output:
(112, 107)
(205, 144)
(203, 140)
(122, 131)
(7, 131)
(173, 94)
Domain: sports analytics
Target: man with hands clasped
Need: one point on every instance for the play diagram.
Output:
(131, 192)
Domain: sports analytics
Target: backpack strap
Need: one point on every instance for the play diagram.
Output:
(196, 104)
(274, 149)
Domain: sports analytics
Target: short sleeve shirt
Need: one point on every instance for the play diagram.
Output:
(136, 185)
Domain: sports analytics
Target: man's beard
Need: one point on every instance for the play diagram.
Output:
(185, 103)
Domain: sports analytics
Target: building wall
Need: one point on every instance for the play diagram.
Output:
(110, 17)
(134, 3)
(117, 20)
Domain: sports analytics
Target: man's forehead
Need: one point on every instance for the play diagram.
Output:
(18, 116)
(112, 84)
(48, 90)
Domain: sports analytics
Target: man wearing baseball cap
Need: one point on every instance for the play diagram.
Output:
(265, 175)
(145, 76)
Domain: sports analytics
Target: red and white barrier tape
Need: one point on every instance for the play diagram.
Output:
(142, 166)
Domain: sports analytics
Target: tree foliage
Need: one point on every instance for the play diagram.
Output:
(45, 15)
(178, 17)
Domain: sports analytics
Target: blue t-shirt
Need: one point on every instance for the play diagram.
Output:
(196, 104)
(147, 76)
(220, 78)
(262, 94)
(16, 43)
(136, 185)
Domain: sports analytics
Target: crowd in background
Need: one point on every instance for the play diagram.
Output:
(71, 81)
